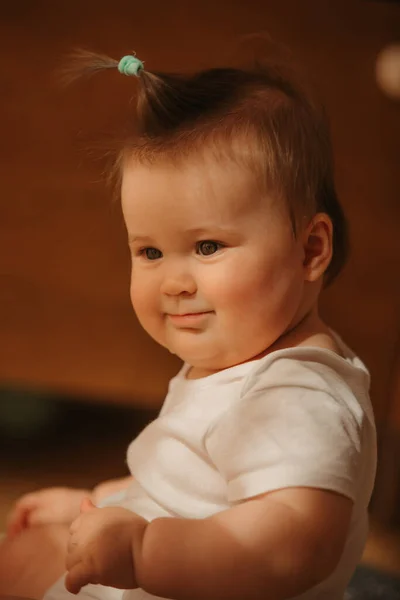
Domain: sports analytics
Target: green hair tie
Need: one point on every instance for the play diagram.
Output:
(130, 65)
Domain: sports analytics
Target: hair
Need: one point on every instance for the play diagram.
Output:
(258, 116)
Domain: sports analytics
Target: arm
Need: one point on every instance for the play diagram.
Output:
(43, 507)
(279, 544)
(57, 505)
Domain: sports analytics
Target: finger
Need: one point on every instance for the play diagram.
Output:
(73, 555)
(18, 510)
(17, 521)
(87, 504)
(79, 576)
(40, 516)
(21, 508)
(12, 523)
(75, 525)
(13, 529)
(28, 501)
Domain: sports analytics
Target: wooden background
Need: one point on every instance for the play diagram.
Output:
(65, 320)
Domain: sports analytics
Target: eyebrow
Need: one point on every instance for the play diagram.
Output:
(213, 228)
(193, 231)
(138, 238)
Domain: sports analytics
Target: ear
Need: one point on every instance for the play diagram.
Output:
(318, 244)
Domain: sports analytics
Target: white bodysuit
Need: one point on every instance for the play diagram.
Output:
(297, 417)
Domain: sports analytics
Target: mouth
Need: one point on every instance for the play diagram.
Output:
(188, 319)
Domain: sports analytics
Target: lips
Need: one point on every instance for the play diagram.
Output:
(188, 314)
(187, 319)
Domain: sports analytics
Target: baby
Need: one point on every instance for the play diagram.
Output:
(255, 479)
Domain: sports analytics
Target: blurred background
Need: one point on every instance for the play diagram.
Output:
(78, 377)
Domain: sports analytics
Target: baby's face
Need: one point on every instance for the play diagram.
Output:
(217, 275)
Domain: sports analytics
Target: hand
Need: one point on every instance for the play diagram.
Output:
(100, 548)
(51, 505)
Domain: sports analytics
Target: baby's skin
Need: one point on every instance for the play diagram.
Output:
(37, 534)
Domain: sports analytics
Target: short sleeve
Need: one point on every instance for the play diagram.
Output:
(289, 431)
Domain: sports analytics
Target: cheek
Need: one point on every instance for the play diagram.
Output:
(141, 294)
(136, 300)
(285, 289)
(145, 306)
(230, 288)
(260, 286)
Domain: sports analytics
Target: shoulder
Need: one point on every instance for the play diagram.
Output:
(296, 424)
(324, 340)
(305, 388)
(310, 367)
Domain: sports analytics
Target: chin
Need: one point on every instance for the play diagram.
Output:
(207, 363)
(197, 359)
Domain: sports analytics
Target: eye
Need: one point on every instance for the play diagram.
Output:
(150, 253)
(208, 247)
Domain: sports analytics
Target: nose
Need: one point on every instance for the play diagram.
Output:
(178, 280)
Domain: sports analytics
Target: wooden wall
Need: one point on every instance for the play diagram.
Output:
(65, 319)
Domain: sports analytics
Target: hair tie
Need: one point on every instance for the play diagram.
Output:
(130, 65)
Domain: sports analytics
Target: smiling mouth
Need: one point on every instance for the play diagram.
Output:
(188, 318)
(189, 314)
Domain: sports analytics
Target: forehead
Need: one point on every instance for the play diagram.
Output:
(196, 189)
